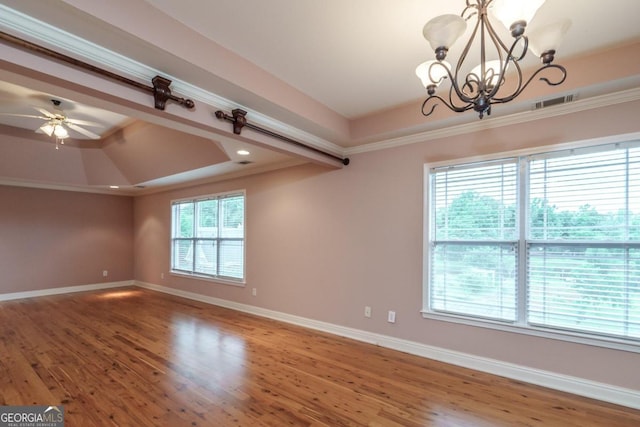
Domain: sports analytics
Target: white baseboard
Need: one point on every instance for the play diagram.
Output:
(64, 290)
(569, 384)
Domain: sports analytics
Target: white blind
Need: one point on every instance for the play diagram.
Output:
(208, 236)
(474, 240)
(583, 252)
(231, 251)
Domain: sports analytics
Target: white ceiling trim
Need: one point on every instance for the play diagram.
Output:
(21, 25)
(210, 180)
(9, 182)
(496, 122)
(38, 31)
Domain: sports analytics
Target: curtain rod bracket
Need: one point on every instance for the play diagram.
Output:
(239, 120)
(162, 93)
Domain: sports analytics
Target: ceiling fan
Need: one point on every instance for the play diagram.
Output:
(57, 122)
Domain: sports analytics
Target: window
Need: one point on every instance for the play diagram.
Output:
(546, 242)
(207, 237)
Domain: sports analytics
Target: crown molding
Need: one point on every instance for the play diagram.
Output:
(24, 26)
(497, 122)
(237, 174)
(12, 182)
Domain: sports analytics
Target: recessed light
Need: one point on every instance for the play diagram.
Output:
(115, 187)
(243, 152)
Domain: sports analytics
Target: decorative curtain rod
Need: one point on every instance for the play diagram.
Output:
(161, 93)
(160, 89)
(239, 120)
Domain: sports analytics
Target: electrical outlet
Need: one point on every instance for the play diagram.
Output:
(162, 275)
(392, 317)
(105, 273)
(254, 292)
(367, 311)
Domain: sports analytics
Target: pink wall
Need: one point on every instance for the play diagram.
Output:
(51, 239)
(323, 244)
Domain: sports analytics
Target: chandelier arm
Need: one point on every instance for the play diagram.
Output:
(467, 47)
(519, 88)
(525, 49)
(472, 85)
(443, 101)
(558, 67)
(544, 79)
(497, 41)
(467, 100)
(501, 49)
(454, 77)
(469, 7)
(453, 87)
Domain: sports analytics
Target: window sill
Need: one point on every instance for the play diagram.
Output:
(223, 281)
(561, 335)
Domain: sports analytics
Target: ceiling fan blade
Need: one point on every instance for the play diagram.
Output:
(24, 115)
(83, 122)
(83, 131)
(46, 113)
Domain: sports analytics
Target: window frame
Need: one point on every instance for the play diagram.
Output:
(520, 325)
(219, 278)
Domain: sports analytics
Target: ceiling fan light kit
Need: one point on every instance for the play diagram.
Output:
(60, 132)
(484, 85)
(56, 129)
(57, 124)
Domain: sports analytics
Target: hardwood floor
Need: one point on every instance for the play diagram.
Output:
(133, 357)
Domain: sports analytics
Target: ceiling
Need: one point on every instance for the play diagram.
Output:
(370, 48)
(337, 73)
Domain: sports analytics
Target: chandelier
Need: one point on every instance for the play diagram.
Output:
(497, 78)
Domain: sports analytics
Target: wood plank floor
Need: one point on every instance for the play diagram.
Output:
(133, 357)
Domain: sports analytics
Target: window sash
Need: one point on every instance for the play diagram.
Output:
(453, 189)
(464, 243)
(566, 292)
(591, 184)
(476, 279)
